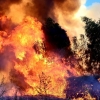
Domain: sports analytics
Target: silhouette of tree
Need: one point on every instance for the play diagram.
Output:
(88, 50)
(55, 35)
(44, 85)
(92, 29)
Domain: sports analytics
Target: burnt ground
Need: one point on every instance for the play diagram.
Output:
(27, 97)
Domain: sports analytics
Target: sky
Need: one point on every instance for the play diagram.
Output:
(90, 8)
(90, 2)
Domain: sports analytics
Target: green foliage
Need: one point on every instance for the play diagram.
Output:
(92, 29)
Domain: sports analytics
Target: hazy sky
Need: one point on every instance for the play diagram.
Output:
(90, 8)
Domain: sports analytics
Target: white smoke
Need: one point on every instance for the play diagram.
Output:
(77, 27)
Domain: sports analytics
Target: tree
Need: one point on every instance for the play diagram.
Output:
(79, 48)
(92, 31)
(44, 85)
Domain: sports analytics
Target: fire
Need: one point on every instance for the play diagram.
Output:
(27, 61)
(26, 42)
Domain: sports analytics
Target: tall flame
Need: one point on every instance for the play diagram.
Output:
(25, 51)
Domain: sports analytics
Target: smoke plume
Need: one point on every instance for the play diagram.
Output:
(42, 9)
(5, 4)
(67, 13)
(62, 11)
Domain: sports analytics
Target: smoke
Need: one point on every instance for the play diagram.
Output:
(62, 11)
(5, 4)
(73, 22)
(67, 13)
(88, 11)
(42, 9)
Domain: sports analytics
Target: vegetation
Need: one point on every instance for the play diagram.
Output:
(92, 29)
(90, 46)
(86, 51)
(44, 85)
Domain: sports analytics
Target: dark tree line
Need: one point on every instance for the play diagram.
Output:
(90, 54)
(88, 46)
(92, 29)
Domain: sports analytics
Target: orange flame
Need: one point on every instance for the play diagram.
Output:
(32, 64)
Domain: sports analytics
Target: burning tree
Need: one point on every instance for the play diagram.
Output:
(23, 53)
(29, 47)
(39, 47)
(25, 57)
(44, 85)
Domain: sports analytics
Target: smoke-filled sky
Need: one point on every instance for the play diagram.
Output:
(67, 13)
(88, 8)
(73, 24)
